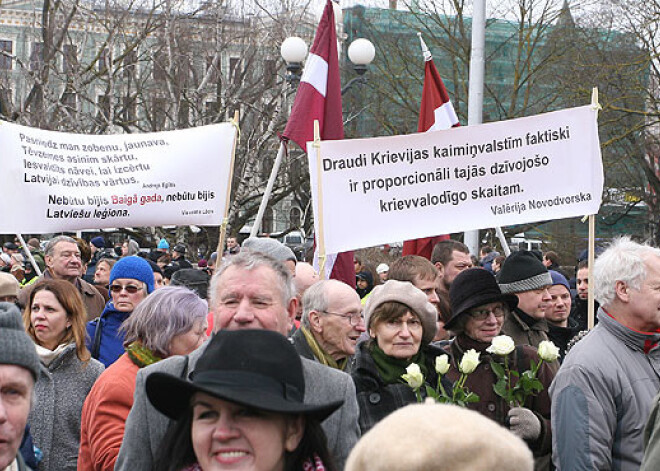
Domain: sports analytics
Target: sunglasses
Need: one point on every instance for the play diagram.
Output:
(130, 289)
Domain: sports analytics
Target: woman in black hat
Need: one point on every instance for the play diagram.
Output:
(478, 311)
(242, 410)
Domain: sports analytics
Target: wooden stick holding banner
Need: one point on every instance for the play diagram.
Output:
(591, 256)
(319, 177)
(33, 262)
(223, 225)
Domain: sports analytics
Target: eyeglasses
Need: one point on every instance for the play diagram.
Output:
(413, 324)
(130, 289)
(482, 314)
(354, 318)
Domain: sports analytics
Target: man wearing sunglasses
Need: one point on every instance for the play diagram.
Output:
(131, 280)
(331, 324)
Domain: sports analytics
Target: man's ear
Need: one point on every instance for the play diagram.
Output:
(315, 321)
(291, 312)
(441, 269)
(622, 291)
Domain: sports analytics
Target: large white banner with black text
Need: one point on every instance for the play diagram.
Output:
(55, 181)
(380, 190)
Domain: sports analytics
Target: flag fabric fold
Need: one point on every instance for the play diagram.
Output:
(319, 98)
(436, 113)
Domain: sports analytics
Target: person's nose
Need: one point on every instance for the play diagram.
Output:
(433, 297)
(405, 330)
(224, 428)
(244, 312)
(360, 327)
(546, 295)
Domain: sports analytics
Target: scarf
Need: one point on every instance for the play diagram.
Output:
(390, 368)
(141, 355)
(314, 465)
(321, 354)
(47, 356)
(13, 466)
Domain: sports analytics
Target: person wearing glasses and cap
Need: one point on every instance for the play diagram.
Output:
(131, 280)
(331, 324)
(479, 309)
(242, 409)
(401, 324)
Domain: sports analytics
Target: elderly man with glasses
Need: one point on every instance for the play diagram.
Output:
(331, 324)
(131, 280)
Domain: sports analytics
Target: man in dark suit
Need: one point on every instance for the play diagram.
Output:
(251, 291)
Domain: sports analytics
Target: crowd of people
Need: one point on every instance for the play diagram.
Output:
(131, 359)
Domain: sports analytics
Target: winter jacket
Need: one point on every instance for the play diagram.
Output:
(59, 395)
(376, 399)
(561, 336)
(491, 405)
(111, 345)
(602, 396)
(91, 297)
(524, 330)
(104, 416)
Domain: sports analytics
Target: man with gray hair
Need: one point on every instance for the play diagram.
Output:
(63, 262)
(250, 291)
(602, 394)
(19, 370)
(331, 324)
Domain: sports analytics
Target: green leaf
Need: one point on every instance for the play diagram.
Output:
(515, 373)
(500, 388)
(497, 369)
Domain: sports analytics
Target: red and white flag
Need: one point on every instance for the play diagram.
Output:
(436, 113)
(319, 98)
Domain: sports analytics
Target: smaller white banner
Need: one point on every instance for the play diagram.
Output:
(374, 191)
(56, 181)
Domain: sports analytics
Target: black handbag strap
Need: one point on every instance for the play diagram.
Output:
(96, 345)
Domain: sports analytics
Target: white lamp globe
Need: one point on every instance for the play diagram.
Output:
(361, 52)
(293, 49)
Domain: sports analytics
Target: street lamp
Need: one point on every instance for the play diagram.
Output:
(293, 51)
(361, 53)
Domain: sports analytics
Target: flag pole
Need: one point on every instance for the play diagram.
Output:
(225, 217)
(33, 262)
(269, 189)
(591, 252)
(319, 184)
(476, 90)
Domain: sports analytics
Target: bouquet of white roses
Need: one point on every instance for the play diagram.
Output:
(460, 395)
(528, 383)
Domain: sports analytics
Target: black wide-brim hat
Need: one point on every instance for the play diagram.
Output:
(472, 288)
(255, 368)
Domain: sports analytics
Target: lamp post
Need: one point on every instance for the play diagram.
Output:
(361, 53)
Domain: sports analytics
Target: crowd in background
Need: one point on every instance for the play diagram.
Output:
(140, 359)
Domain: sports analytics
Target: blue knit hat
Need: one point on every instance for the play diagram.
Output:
(559, 279)
(98, 242)
(134, 268)
(162, 244)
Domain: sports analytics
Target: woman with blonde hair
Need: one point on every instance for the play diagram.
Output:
(55, 319)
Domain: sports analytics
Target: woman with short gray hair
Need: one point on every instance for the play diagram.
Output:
(170, 321)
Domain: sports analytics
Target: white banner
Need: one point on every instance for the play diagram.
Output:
(380, 190)
(55, 181)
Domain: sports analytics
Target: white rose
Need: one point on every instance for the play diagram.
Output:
(442, 364)
(413, 376)
(469, 362)
(548, 351)
(501, 345)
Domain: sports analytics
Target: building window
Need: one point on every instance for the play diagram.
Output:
(5, 101)
(70, 102)
(69, 59)
(103, 64)
(214, 73)
(103, 105)
(130, 63)
(234, 69)
(159, 67)
(129, 112)
(295, 216)
(158, 113)
(37, 56)
(211, 111)
(6, 49)
(267, 223)
(270, 72)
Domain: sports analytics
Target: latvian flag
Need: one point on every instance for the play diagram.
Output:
(319, 98)
(436, 113)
